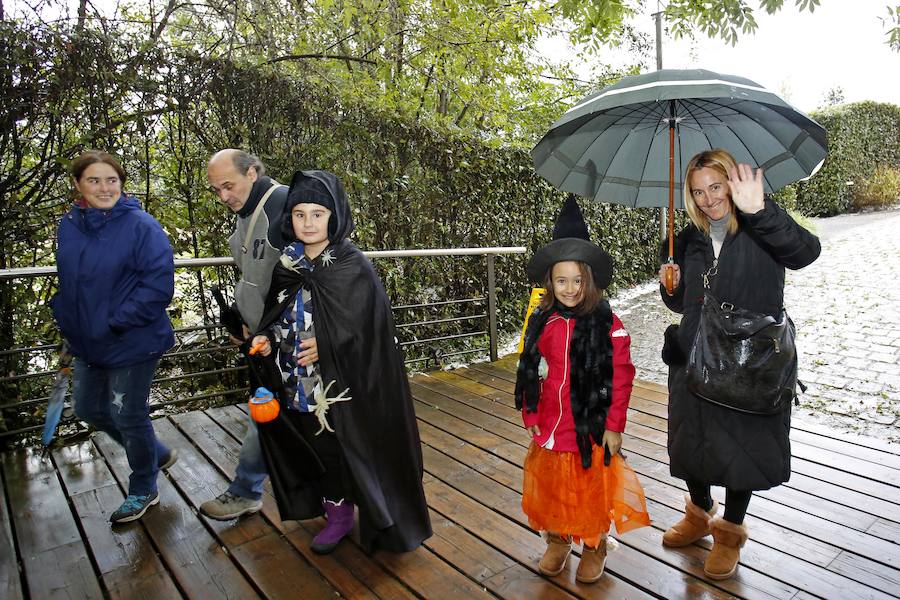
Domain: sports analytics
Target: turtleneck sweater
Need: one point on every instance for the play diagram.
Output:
(717, 231)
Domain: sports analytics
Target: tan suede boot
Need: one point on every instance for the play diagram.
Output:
(556, 555)
(693, 526)
(593, 561)
(728, 539)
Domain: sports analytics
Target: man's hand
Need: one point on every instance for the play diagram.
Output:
(238, 342)
(534, 430)
(613, 441)
(309, 353)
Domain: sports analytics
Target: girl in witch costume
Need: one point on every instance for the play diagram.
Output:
(351, 402)
(574, 383)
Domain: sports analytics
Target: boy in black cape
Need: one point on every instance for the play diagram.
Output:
(351, 402)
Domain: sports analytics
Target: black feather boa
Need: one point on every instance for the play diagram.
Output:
(590, 355)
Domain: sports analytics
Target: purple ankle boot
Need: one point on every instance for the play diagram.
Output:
(340, 522)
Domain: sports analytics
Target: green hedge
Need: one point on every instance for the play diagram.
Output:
(411, 185)
(864, 148)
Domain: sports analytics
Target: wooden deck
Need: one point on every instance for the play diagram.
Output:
(832, 532)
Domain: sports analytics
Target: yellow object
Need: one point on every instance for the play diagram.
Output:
(533, 302)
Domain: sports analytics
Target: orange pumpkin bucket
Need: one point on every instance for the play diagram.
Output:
(263, 406)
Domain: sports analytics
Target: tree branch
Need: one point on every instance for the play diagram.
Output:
(320, 56)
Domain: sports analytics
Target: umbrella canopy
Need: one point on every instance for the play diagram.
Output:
(614, 145)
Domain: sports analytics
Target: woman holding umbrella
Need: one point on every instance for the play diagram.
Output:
(116, 278)
(738, 244)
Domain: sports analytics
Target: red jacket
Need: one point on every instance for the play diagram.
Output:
(554, 411)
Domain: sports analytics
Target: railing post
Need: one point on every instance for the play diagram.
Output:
(492, 306)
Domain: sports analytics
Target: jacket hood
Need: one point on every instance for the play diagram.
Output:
(340, 225)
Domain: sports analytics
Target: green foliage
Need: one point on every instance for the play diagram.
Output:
(893, 33)
(601, 21)
(412, 184)
(863, 139)
(881, 190)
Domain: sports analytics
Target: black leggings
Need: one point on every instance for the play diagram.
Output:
(736, 501)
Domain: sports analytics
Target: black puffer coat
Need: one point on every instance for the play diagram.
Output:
(710, 443)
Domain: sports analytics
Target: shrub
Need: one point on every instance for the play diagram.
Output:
(880, 190)
(862, 137)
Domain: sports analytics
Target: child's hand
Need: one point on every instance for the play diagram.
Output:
(613, 441)
(534, 430)
(310, 353)
(262, 342)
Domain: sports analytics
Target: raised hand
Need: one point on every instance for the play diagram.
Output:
(747, 188)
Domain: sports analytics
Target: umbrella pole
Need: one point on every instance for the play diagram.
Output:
(670, 272)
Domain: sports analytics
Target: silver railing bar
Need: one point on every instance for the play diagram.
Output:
(227, 261)
(455, 336)
(437, 321)
(441, 303)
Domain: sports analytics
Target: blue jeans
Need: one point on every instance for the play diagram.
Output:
(251, 470)
(116, 401)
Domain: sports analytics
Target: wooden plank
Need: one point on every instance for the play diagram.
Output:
(348, 569)
(426, 574)
(511, 476)
(792, 561)
(849, 464)
(200, 565)
(842, 504)
(471, 398)
(806, 526)
(450, 377)
(879, 457)
(55, 561)
(274, 566)
(513, 432)
(478, 435)
(889, 530)
(125, 557)
(489, 567)
(475, 374)
(222, 450)
(858, 568)
(797, 520)
(786, 567)
(10, 580)
(850, 438)
(470, 509)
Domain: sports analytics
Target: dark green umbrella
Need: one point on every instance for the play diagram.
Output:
(630, 142)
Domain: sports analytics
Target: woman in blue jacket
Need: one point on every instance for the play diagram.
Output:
(116, 278)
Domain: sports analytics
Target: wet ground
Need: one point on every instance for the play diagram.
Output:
(846, 307)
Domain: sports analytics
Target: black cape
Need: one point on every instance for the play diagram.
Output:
(358, 349)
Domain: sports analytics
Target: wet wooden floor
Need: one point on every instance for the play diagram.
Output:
(832, 532)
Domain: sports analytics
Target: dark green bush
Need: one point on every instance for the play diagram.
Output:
(863, 138)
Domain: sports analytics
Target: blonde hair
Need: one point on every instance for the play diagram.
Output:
(718, 160)
(591, 295)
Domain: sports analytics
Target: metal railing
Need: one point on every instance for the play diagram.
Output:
(483, 309)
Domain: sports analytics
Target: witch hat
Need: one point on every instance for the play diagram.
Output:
(571, 241)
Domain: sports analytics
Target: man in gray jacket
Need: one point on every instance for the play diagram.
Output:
(239, 180)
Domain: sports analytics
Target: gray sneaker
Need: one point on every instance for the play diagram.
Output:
(229, 506)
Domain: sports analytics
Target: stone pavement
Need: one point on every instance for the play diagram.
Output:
(846, 307)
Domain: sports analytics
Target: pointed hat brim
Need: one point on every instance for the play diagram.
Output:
(571, 249)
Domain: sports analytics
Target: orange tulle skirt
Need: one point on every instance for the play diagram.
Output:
(561, 496)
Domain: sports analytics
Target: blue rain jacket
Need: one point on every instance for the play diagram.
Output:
(116, 278)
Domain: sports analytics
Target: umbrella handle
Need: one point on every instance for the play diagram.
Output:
(670, 276)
